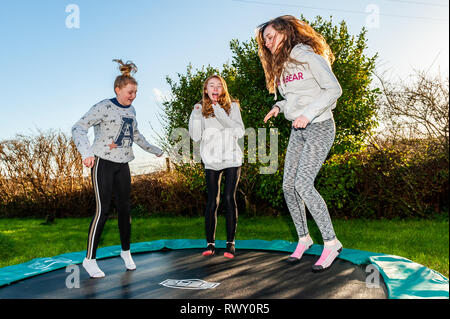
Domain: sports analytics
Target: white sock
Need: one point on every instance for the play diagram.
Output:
(330, 243)
(305, 240)
(126, 256)
(92, 268)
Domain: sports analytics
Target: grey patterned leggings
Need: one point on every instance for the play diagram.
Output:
(306, 152)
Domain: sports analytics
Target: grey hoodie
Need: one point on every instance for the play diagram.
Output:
(309, 89)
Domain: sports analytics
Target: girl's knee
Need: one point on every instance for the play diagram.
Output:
(304, 189)
(288, 187)
(229, 201)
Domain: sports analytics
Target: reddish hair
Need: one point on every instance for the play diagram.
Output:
(225, 99)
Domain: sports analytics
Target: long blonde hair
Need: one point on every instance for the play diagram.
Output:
(295, 32)
(225, 99)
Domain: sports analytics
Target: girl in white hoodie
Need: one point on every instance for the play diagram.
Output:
(216, 122)
(297, 60)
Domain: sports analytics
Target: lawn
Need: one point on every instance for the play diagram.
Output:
(423, 241)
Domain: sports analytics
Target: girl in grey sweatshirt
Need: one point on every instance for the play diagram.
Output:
(115, 128)
(297, 61)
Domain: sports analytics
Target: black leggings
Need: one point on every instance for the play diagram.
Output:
(108, 179)
(213, 179)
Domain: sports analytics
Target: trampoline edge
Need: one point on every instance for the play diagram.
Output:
(404, 279)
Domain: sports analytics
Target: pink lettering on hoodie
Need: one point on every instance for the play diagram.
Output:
(293, 77)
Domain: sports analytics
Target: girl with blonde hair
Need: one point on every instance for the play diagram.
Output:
(115, 129)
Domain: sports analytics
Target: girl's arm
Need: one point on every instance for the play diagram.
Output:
(80, 129)
(325, 78)
(280, 105)
(196, 123)
(233, 121)
(140, 140)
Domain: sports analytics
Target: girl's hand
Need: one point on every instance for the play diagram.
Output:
(89, 162)
(300, 122)
(112, 145)
(197, 111)
(273, 112)
(219, 111)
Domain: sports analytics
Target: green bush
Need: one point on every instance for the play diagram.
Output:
(337, 180)
(408, 178)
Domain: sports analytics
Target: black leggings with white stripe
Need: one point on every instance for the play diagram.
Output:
(110, 180)
(213, 179)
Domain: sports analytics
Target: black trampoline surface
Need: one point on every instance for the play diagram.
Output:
(252, 274)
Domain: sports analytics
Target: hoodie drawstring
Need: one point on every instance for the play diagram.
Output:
(275, 88)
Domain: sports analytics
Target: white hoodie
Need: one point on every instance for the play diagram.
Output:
(219, 148)
(309, 89)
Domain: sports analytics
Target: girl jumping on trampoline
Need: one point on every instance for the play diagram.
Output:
(216, 122)
(297, 60)
(115, 129)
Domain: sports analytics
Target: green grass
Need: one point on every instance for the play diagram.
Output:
(423, 241)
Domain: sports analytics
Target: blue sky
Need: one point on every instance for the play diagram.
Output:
(52, 74)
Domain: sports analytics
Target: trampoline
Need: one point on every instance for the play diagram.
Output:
(175, 269)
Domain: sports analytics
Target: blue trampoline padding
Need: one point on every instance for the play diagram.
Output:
(403, 278)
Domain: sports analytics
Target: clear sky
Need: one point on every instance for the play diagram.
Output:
(51, 73)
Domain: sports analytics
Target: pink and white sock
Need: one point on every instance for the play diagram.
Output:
(302, 246)
(328, 256)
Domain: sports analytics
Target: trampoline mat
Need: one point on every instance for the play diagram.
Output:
(252, 274)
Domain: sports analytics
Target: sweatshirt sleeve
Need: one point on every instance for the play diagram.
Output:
(280, 105)
(233, 121)
(325, 78)
(140, 140)
(80, 129)
(196, 124)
